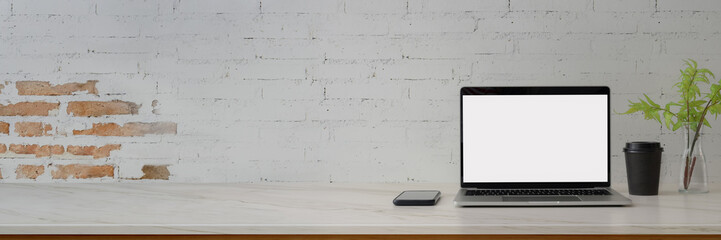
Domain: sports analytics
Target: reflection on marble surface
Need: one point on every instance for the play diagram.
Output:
(325, 208)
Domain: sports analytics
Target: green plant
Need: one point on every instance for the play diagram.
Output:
(692, 109)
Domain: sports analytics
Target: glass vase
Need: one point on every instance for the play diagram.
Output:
(694, 178)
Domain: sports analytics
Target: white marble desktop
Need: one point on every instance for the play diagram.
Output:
(324, 208)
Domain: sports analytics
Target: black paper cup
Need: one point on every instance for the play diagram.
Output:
(643, 167)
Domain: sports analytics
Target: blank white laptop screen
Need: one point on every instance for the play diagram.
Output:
(535, 138)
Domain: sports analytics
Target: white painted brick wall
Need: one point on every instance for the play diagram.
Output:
(344, 90)
(551, 5)
(292, 6)
(554, 47)
(5, 8)
(217, 6)
(60, 7)
(375, 7)
(362, 48)
(432, 24)
(456, 6)
(624, 5)
(129, 8)
(691, 5)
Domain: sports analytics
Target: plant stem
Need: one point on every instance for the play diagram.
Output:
(685, 174)
(692, 163)
(688, 105)
(690, 172)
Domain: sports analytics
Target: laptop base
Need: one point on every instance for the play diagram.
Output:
(614, 199)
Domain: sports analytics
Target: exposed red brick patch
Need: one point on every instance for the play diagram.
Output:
(29, 171)
(129, 129)
(3, 148)
(81, 171)
(155, 172)
(96, 152)
(97, 108)
(45, 89)
(32, 129)
(24, 148)
(4, 128)
(39, 151)
(81, 150)
(53, 149)
(28, 109)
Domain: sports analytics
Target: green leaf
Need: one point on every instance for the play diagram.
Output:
(698, 104)
(677, 125)
(709, 96)
(684, 88)
(715, 92)
(631, 109)
(705, 123)
(686, 77)
(688, 64)
(654, 115)
(667, 117)
(682, 116)
(651, 101)
(694, 90)
(690, 71)
(715, 88)
(706, 71)
(715, 109)
(701, 78)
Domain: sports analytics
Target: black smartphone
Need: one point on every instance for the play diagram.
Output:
(417, 198)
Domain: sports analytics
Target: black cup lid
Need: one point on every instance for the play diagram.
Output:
(643, 147)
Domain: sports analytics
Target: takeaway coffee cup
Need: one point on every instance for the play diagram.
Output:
(643, 167)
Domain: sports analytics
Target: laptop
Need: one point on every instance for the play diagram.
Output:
(536, 146)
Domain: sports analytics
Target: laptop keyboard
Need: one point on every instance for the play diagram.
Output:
(552, 192)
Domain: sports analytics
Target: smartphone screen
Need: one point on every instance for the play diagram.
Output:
(418, 195)
(417, 198)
